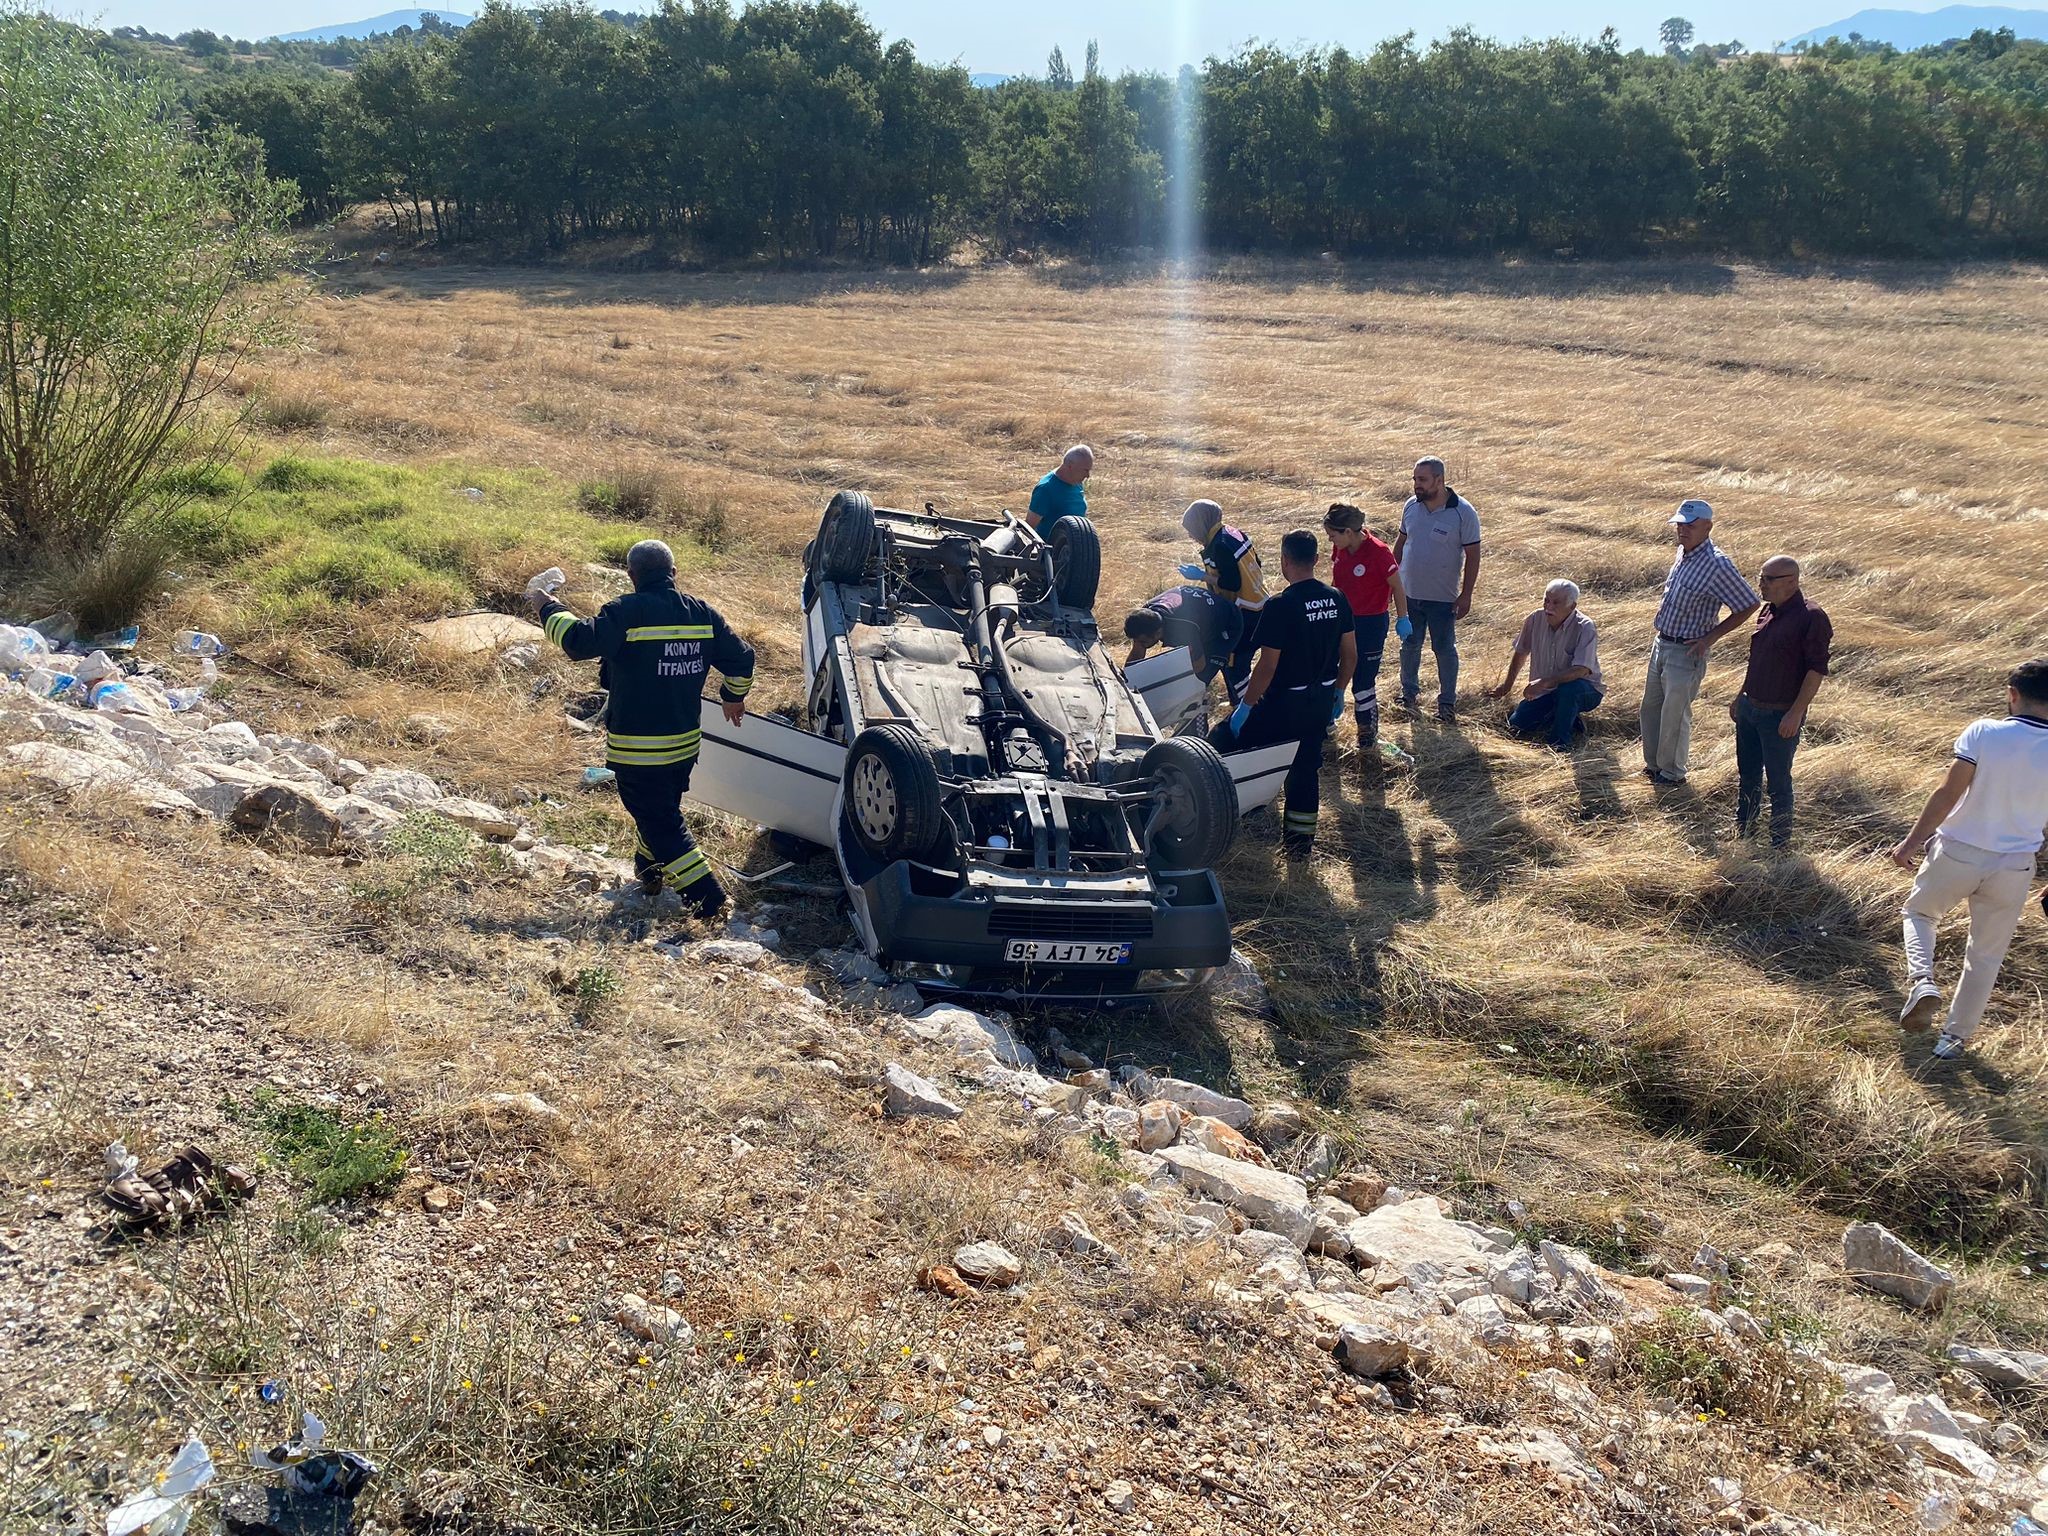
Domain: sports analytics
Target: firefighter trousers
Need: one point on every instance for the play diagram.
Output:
(653, 797)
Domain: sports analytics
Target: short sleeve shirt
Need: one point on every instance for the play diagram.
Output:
(2005, 809)
(1361, 575)
(1053, 498)
(1433, 559)
(1574, 643)
(1306, 624)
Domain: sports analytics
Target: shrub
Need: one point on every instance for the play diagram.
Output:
(331, 1159)
(130, 260)
(291, 412)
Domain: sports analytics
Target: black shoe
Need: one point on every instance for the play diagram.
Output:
(1447, 713)
(650, 883)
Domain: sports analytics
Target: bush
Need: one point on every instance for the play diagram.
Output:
(131, 257)
(104, 587)
(331, 1159)
(290, 412)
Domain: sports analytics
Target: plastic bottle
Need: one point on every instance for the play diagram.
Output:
(96, 666)
(184, 698)
(196, 642)
(115, 697)
(21, 647)
(1394, 757)
(48, 684)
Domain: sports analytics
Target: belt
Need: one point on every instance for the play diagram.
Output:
(1674, 640)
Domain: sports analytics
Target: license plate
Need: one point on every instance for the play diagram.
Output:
(1065, 952)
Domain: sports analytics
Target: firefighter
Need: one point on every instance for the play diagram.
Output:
(654, 647)
(1308, 649)
(1229, 566)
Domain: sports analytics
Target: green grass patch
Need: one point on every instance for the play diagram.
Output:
(312, 543)
(332, 1159)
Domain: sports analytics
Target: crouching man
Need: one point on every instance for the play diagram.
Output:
(1563, 652)
(654, 647)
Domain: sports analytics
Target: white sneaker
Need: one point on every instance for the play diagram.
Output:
(1923, 999)
(1947, 1047)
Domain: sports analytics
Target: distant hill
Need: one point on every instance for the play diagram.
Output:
(390, 21)
(1922, 29)
(988, 82)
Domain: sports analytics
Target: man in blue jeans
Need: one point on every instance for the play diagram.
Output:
(1438, 548)
(1788, 657)
(1563, 651)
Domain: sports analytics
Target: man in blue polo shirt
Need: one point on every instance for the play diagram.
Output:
(1060, 494)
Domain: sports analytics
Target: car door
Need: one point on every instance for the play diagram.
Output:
(769, 773)
(1168, 685)
(1259, 774)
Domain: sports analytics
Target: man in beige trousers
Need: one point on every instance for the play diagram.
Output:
(1986, 822)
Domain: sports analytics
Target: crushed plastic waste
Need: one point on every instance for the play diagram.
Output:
(548, 581)
(197, 642)
(166, 1509)
(49, 684)
(119, 639)
(96, 666)
(58, 628)
(22, 647)
(116, 697)
(594, 776)
(1394, 757)
(310, 1468)
(271, 1391)
(187, 1185)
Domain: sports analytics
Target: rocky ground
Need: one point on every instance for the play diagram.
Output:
(977, 1274)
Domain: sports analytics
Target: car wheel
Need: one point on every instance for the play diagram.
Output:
(892, 795)
(1076, 562)
(845, 538)
(1197, 813)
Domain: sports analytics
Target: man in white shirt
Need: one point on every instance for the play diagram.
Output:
(1987, 821)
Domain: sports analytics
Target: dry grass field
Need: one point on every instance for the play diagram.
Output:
(1885, 426)
(1505, 975)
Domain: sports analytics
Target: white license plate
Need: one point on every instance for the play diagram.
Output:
(1065, 952)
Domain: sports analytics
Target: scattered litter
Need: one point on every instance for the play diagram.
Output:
(21, 647)
(59, 628)
(474, 493)
(1394, 757)
(186, 1185)
(271, 1392)
(50, 685)
(595, 777)
(310, 1468)
(548, 581)
(115, 697)
(197, 642)
(119, 639)
(167, 1508)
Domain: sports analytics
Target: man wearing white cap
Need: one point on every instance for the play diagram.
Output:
(1702, 582)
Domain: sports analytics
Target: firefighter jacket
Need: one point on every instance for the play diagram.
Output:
(656, 647)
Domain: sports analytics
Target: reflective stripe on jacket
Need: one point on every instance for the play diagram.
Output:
(656, 646)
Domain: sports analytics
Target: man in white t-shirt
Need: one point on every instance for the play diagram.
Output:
(1987, 821)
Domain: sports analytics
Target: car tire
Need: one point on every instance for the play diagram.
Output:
(892, 799)
(1199, 816)
(1076, 561)
(845, 538)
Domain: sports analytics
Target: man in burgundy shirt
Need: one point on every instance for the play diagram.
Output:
(1788, 657)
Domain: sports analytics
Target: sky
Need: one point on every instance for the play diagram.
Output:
(1134, 34)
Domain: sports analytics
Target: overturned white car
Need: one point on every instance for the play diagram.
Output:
(1006, 811)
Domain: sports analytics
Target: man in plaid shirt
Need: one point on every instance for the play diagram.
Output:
(1702, 582)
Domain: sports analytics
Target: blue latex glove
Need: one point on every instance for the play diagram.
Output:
(1238, 716)
(1337, 709)
(1404, 626)
(1192, 572)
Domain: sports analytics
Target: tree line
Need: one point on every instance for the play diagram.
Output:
(792, 129)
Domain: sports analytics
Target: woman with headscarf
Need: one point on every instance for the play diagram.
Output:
(1229, 566)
